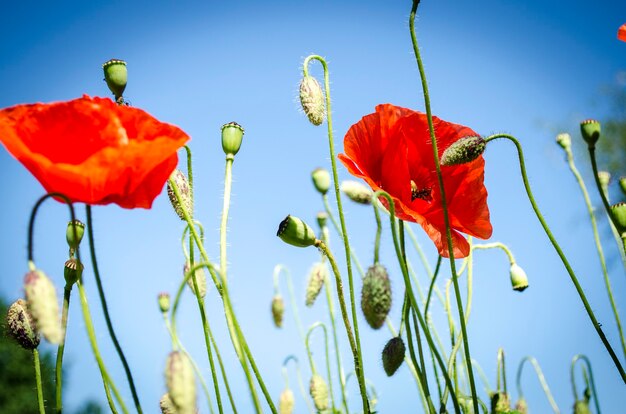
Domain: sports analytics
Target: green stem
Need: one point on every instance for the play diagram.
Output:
(605, 201)
(308, 350)
(292, 296)
(432, 285)
(59, 363)
(501, 371)
(593, 384)
(42, 409)
(300, 382)
(482, 376)
(333, 220)
(379, 229)
(542, 381)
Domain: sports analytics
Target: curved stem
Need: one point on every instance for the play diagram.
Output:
(432, 285)
(593, 383)
(482, 376)
(42, 409)
(605, 201)
(67, 291)
(300, 383)
(333, 220)
(308, 350)
(294, 305)
(542, 381)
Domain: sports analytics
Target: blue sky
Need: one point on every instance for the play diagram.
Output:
(526, 68)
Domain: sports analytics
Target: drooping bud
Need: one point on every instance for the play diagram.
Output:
(590, 130)
(564, 140)
(232, 135)
(500, 403)
(519, 280)
(74, 233)
(116, 76)
(521, 406)
(286, 402)
(622, 184)
(312, 100)
(317, 276)
(605, 178)
(164, 302)
(319, 392)
(200, 280)
(581, 407)
(618, 211)
(43, 306)
(181, 383)
(376, 296)
(357, 192)
(393, 355)
(321, 180)
(21, 325)
(322, 217)
(464, 150)
(278, 310)
(73, 271)
(166, 405)
(185, 194)
(296, 232)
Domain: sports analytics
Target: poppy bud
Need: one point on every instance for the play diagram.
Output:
(21, 325)
(564, 140)
(321, 219)
(605, 178)
(74, 233)
(321, 180)
(200, 280)
(376, 296)
(464, 150)
(296, 232)
(500, 403)
(319, 392)
(181, 383)
(581, 407)
(590, 130)
(521, 406)
(312, 100)
(72, 271)
(622, 184)
(164, 302)
(185, 194)
(519, 280)
(278, 310)
(357, 192)
(166, 405)
(43, 306)
(116, 76)
(286, 402)
(393, 355)
(316, 279)
(618, 211)
(232, 135)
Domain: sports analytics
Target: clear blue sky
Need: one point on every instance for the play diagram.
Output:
(527, 68)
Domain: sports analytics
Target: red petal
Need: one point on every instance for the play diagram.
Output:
(621, 33)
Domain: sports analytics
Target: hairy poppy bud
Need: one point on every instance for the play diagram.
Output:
(72, 271)
(164, 302)
(519, 280)
(393, 355)
(21, 325)
(581, 407)
(376, 296)
(286, 402)
(316, 279)
(319, 392)
(74, 233)
(200, 280)
(166, 405)
(278, 310)
(500, 403)
(312, 100)
(185, 194)
(321, 180)
(232, 135)
(357, 192)
(564, 140)
(618, 211)
(590, 130)
(116, 76)
(181, 383)
(322, 217)
(521, 406)
(43, 306)
(605, 178)
(464, 150)
(296, 232)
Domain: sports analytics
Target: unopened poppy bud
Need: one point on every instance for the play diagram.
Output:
(590, 130)
(376, 296)
(181, 383)
(43, 306)
(164, 302)
(618, 211)
(166, 405)
(185, 194)
(564, 140)
(21, 325)
(232, 135)
(605, 178)
(312, 100)
(357, 192)
(116, 76)
(200, 280)
(286, 402)
(278, 310)
(321, 180)
(322, 217)
(622, 184)
(74, 233)
(296, 232)
(316, 279)
(72, 271)
(464, 150)
(319, 392)
(393, 355)
(519, 280)
(500, 403)
(521, 406)
(581, 407)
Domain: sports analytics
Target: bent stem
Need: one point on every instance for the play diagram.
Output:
(277, 270)
(605, 201)
(540, 377)
(67, 291)
(590, 379)
(300, 383)
(308, 351)
(42, 409)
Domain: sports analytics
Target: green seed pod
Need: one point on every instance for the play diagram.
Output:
(590, 130)
(500, 403)
(312, 100)
(185, 194)
(72, 236)
(43, 306)
(73, 271)
(286, 402)
(618, 211)
(393, 355)
(376, 296)
(581, 407)
(278, 310)
(200, 280)
(521, 406)
(322, 217)
(357, 192)
(116, 76)
(321, 180)
(166, 405)
(232, 135)
(319, 392)
(564, 140)
(464, 150)
(164, 302)
(296, 232)
(622, 184)
(181, 382)
(316, 279)
(21, 325)
(519, 280)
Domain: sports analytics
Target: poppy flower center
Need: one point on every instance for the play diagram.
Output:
(424, 193)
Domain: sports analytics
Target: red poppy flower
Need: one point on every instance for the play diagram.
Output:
(621, 33)
(93, 150)
(391, 150)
